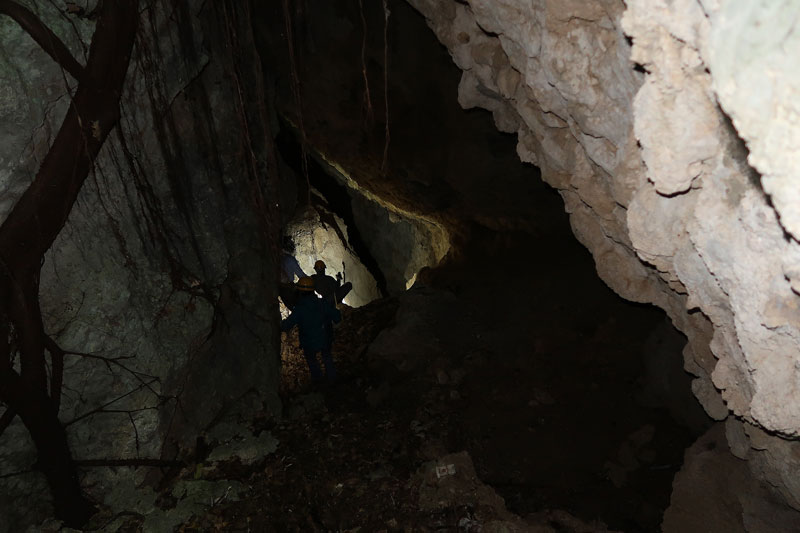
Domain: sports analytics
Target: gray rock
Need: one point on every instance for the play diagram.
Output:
(248, 449)
(162, 277)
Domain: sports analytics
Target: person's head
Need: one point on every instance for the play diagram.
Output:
(288, 244)
(305, 285)
(319, 266)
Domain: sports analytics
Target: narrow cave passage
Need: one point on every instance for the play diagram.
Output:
(563, 396)
(510, 360)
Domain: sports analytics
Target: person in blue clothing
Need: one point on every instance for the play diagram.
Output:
(289, 269)
(289, 265)
(314, 317)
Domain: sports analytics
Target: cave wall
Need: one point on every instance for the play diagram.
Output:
(319, 234)
(658, 183)
(165, 273)
(385, 245)
(402, 242)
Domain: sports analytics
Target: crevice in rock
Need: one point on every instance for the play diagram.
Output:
(737, 150)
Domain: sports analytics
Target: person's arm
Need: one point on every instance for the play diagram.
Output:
(297, 270)
(291, 267)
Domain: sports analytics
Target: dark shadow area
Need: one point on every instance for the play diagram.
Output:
(738, 150)
(555, 409)
(562, 395)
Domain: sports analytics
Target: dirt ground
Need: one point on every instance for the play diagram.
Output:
(477, 401)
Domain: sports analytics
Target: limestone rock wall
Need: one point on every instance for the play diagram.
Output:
(402, 242)
(163, 279)
(655, 176)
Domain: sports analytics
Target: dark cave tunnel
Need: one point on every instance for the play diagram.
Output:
(574, 398)
(479, 353)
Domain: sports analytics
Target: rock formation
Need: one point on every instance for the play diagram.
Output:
(648, 146)
(321, 235)
(160, 287)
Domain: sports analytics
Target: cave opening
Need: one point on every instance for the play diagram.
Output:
(560, 394)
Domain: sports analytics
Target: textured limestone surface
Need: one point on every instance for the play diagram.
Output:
(162, 271)
(655, 176)
(319, 234)
(402, 242)
(756, 80)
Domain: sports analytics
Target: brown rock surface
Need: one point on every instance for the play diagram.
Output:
(716, 492)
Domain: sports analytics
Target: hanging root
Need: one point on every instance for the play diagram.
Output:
(387, 136)
(367, 96)
(57, 373)
(298, 97)
(264, 183)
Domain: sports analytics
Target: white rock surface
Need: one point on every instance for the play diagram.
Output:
(319, 234)
(655, 177)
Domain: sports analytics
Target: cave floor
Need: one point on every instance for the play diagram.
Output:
(453, 395)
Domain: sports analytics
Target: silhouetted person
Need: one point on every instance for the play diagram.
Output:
(327, 287)
(314, 317)
(289, 269)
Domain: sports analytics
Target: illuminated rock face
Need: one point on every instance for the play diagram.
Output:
(399, 242)
(319, 235)
(656, 178)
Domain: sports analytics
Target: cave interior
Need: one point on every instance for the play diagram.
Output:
(488, 378)
(563, 395)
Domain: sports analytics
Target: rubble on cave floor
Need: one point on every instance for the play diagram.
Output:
(370, 453)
